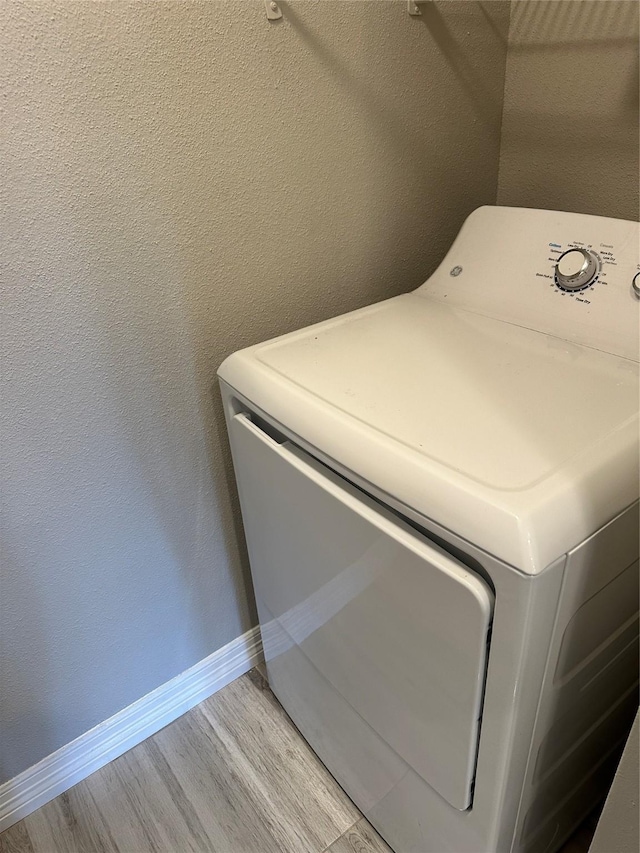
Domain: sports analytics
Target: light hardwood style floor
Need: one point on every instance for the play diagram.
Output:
(231, 776)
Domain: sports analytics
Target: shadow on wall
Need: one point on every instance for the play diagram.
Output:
(468, 37)
(548, 25)
(390, 121)
(570, 125)
(482, 98)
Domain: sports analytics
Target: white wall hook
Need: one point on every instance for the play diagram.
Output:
(274, 12)
(413, 8)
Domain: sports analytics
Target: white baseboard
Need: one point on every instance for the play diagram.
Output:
(74, 762)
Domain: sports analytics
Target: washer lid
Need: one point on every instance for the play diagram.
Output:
(519, 441)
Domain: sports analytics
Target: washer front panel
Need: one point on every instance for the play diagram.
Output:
(368, 601)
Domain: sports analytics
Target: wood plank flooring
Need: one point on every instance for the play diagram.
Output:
(231, 776)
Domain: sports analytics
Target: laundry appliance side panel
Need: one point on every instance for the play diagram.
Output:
(589, 695)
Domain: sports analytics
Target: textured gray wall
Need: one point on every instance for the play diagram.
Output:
(181, 180)
(570, 127)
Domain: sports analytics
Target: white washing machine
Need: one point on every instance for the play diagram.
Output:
(440, 498)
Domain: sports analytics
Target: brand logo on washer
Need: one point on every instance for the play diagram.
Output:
(455, 271)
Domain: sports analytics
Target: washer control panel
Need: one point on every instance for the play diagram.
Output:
(574, 276)
(585, 269)
(577, 269)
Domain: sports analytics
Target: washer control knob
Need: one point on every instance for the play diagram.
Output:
(635, 284)
(576, 269)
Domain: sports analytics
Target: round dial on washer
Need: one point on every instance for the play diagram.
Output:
(576, 269)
